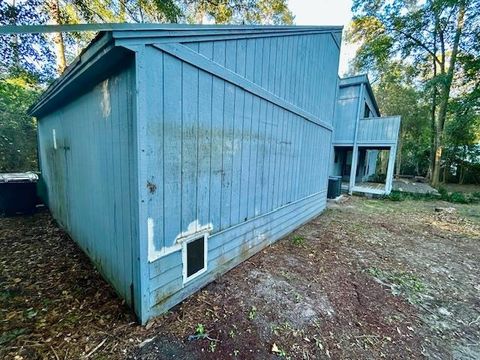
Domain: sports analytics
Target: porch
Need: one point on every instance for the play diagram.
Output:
(365, 187)
(364, 169)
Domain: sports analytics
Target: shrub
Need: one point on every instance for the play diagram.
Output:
(443, 193)
(458, 198)
(396, 196)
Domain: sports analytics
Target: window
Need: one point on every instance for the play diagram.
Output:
(194, 257)
(367, 112)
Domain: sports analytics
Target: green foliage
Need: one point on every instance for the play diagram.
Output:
(400, 283)
(10, 335)
(28, 53)
(397, 96)
(443, 193)
(272, 12)
(18, 149)
(252, 314)
(297, 240)
(175, 11)
(200, 329)
(212, 346)
(402, 196)
(459, 198)
(396, 196)
(455, 197)
(410, 48)
(28, 60)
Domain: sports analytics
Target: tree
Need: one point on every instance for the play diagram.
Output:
(55, 19)
(17, 129)
(30, 61)
(462, 135)
(396, 96)
(26, 52)
(157, 11)
(273, 12)
(431, 34)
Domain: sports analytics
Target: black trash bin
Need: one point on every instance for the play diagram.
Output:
(18, 193)
(334, 187)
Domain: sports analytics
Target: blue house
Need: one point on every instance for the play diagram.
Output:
(363, 141)
(172, 153)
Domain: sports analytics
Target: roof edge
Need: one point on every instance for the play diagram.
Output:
(22, 29)
(109, 33)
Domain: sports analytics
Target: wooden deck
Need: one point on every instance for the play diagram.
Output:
(366, 188)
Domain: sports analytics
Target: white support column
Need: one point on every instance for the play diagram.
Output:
(390, 168)
(353, 170)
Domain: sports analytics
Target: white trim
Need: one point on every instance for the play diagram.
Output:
(54, 135)
(184, 242)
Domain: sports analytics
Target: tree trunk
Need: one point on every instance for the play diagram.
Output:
(445, 95)
(434, 106)
(54, 8)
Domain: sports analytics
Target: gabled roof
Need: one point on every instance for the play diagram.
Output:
(111, 46)
(358, 80)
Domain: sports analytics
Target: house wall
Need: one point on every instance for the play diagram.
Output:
(230, 158)
(87, 169)
(346, 114)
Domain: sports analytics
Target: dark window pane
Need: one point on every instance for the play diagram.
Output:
(195, 256)
(366, 112)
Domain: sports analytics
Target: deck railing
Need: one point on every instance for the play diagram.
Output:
(379, 129)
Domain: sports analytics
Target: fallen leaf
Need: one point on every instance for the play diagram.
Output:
(275, 349)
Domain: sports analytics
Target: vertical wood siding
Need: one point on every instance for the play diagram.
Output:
(226, 159)
(89, 175)
(346, 114)
(382, 130)
(298, 69)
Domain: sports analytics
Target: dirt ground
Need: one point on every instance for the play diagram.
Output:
(366, 279)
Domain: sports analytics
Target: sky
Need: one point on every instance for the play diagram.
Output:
(326, 12)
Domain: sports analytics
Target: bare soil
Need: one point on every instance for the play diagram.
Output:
(366, 279)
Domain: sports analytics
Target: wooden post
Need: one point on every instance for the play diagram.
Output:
(391, 165)
(353, 170)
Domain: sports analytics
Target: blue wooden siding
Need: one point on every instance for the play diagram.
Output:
(230, 160)
(89, 175)
(379, 130)
(290, 67)
(346, 114)
(225, 131)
